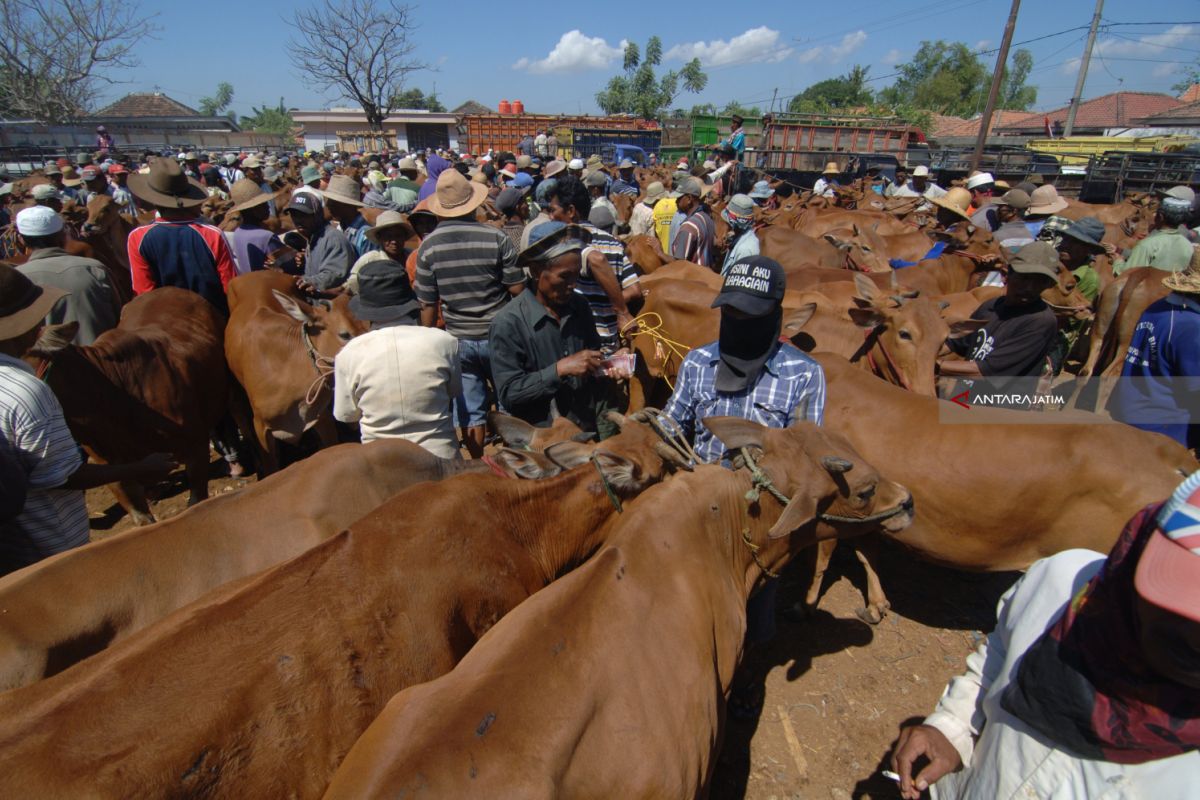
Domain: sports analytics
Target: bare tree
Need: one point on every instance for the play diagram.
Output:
(54, 54)
(360, 48)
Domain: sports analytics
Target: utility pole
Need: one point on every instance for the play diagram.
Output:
(1001, 59)
(774, 94)
(1083, 68)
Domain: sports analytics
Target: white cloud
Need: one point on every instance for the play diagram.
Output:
(757, 44)
(575, 52)
(892, 58)
(1154, 44)
(1165, 70)
(1071, 66)
(836, 52)
(983, 44)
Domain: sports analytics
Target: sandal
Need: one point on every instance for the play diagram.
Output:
(746, 701)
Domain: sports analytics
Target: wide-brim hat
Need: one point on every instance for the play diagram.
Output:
(1045, 200)
(949, 205)
(245, 193)
(386, 221)
(1187, 281)
(552, 239)
(1036, 258)
(761, 191)
(455, 196)
(342, 189)
(554, 167)
(1088, 230)
(832, 169)
(165, 185)
(23, 304)
(654, 192)
(71, 177)
(384, 293)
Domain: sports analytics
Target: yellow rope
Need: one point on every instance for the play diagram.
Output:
(655, 331)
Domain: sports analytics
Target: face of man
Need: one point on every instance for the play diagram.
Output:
(1170, 643)
(1073, 253)
(901, 176)
(254, 173)
(1024, 288)
(423, 224)
(118, 178)
(686, 203)
(57, 180)
(555, 281)
(391, 240)
(626, 174)
(919, 182)
(560, 214)
(305, 223)
(981, 193)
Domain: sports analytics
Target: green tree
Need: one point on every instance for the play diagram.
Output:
(277, 120)
(948, 78)
(219, 102)
(1190, 75)
(416, 99)
(640, 91)
(846, 91)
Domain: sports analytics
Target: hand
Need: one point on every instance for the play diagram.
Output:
(155, 466)
(927, 741)
(582, 363)
(1109, 248)
(625, 318)
(304, 285)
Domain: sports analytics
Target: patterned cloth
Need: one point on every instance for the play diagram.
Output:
(790, 387)
(602, 309)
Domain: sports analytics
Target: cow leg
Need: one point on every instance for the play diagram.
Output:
(197, 475)
(132, 497)
(267, 455)
(820, 565)
(326, 430)
(867, 550)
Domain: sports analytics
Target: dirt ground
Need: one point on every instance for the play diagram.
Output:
(837, 688)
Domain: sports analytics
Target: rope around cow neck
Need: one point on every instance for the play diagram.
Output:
(664, 346)
(322, 364)
(608, 489)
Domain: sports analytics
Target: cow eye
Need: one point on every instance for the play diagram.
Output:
(866, 249)
(867, 493)
(905, 335)
(345, 336)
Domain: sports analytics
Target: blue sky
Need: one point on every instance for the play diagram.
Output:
(559, 66)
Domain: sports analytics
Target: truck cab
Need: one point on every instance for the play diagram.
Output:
(616, 153)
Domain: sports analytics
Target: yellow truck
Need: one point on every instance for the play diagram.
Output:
(1076, 150)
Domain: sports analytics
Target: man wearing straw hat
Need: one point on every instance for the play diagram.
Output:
(178, 248)
(1159, 389)
(344, 203)
(471, 268)
(34, 435)
(824, 187)
(251, 242)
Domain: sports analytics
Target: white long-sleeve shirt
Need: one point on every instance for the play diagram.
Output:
(398, 383)
(1004, 757)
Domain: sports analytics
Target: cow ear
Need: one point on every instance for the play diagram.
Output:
(865, 287)
(569, 454)
(970, 229)
(620, 472)
(836, 242)
(801, 510)
(866, 318)
(736, 433)
(797, 318)
(965, 327)
(584, 436)
(294, 309)
(54, 339)
(525, 464)
(512, 431)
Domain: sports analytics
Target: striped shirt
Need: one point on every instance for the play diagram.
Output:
(694, 241)
(602, 308)
(34, 432)
(790, 388)
(467, 266)
(189, 254)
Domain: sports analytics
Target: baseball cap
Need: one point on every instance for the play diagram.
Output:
(625, 164)
(89, 174)
(521, 181)
(1183, 193)
(596, 178)
(982, 179)
(1168, 570)
(1036, 258)
(692, 186)
(1013, 198)
(754, 286)
(303, 203)
(524, 162)
(45, 191)
(602, 218)
(509, 200)
(38, 221)
(309, 173)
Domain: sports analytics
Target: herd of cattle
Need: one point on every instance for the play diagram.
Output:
(561, 618)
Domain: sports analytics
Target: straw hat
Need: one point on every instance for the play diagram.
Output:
(166, 186)
(245, 193)
(343, 189)
(455, 195)
(1045, 200)
(956, 200)
(23, 304)
(554, 167)
(654, 192)
(832, 169)
(1187, 281)
(386, 221)
(70, 176)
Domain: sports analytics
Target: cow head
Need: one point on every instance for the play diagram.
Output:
(328, 326)
(525, 464)
(52, 340)
(972, 240)
(832, 491)
(864, 249)
(520, 434)
(632, 460)
(102, 215)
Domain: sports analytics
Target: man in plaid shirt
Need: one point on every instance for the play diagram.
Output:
(748, 372)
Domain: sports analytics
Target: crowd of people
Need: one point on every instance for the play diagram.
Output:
(532, 316)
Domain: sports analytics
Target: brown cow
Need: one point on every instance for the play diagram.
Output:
(645, 253)
(816, 222)
(998, 489)
(281, 350)
(53, 616)
(520, 434)
(1120, 306)
(155, 383)
(106, 231)
(838, 249)
(613, 681)
(268, 682)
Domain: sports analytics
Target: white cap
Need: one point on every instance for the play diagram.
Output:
(979, 180)
(921, 172)
(38, 221)
(45, 191)
(575, 163)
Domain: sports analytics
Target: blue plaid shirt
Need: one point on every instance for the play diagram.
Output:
(790, 387)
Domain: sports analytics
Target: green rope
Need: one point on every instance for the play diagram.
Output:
(760, 480)
(612, 496)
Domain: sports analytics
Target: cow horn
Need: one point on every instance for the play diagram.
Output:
(669, 455)
(835, 465)
(616, 418)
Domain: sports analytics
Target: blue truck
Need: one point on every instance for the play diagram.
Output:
(611, 144)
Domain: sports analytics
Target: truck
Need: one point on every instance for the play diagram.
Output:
(479, 133)
(1113, 175)
(611, 144)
